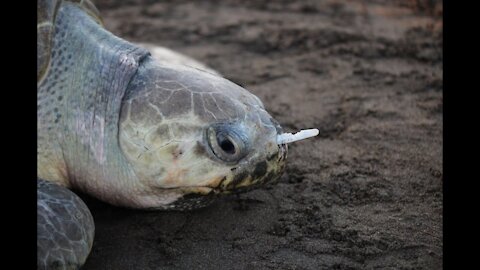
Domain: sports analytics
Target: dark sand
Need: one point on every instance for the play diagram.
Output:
(365, 194)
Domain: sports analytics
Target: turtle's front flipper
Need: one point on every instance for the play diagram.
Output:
(65, 228)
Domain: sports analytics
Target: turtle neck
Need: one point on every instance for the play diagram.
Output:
(79, 104)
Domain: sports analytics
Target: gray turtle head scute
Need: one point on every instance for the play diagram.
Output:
(187, 131)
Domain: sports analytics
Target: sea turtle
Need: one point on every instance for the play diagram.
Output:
(134, 129)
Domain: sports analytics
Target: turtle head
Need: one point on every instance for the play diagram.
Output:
(190, 135)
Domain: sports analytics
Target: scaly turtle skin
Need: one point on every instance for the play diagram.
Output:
(134, 130)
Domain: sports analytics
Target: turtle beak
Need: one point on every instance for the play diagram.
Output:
(283, 149)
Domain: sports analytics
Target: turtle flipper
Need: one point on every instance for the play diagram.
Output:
(65, 228)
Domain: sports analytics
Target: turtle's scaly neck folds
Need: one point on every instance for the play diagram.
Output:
(79, 104)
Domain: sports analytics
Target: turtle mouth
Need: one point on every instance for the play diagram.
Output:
(194, 197)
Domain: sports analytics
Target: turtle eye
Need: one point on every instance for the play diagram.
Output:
(227, 143)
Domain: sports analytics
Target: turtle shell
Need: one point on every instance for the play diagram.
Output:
(46, 14)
